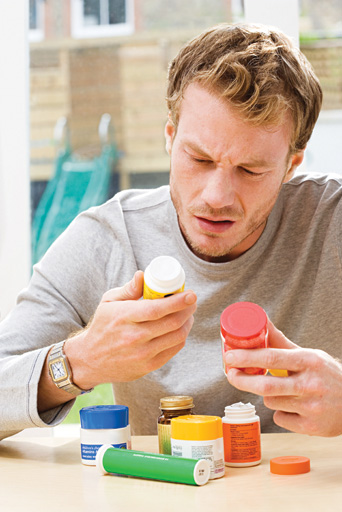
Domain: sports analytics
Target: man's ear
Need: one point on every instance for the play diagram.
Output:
(169, 134)
(295, 161)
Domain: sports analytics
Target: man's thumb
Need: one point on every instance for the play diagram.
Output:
(132, 290)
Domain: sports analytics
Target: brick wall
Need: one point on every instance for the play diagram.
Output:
(126, 78)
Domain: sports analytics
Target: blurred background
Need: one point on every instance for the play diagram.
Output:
(96, 103)
(94, 57)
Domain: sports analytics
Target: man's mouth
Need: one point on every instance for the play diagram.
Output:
(214, 225)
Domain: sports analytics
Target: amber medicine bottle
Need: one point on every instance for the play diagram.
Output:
(241, 435)
(163, 276)
(171, 407)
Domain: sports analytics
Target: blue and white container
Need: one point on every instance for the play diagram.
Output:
(103, 424)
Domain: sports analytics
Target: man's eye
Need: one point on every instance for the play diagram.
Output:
(200, 160)
(250, 173)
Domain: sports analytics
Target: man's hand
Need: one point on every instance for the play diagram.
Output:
(309, 400)
(128, 338)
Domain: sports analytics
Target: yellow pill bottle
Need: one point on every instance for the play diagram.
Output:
(199, 437)
(164, 276)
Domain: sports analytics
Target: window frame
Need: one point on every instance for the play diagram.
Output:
(38, 34)
(81, 31)
(15, 230)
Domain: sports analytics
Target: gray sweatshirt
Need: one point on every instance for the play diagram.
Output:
(293, 271)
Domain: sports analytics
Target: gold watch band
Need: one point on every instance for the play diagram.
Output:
(60, 371)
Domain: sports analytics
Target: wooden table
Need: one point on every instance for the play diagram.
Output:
(45, 474)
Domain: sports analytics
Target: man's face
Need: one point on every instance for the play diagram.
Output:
(225, 174)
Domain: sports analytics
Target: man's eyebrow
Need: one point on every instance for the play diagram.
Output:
(197, 149)
(257, 162)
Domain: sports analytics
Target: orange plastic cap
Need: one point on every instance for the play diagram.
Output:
(290, 465)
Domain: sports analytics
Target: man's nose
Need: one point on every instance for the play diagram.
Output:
(219, 188)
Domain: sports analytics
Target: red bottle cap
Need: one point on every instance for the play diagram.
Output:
(291, 465)
(243, 320)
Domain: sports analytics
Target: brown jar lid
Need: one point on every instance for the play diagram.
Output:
(176, 402)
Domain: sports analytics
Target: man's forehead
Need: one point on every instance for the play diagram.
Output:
(206, 120)
(244, 158)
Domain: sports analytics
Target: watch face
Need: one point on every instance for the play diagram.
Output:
(58, 370)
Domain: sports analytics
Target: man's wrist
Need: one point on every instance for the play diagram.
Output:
(61, 373)
(80, 361)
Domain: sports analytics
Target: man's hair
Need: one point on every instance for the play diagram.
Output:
(257, 69)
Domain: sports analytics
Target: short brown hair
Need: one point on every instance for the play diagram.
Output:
(257, 69)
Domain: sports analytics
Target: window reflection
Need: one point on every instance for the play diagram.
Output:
(33, 15)
(104, 12)
(91, 12)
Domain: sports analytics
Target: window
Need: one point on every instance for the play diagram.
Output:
(102, 18)
(36, 32)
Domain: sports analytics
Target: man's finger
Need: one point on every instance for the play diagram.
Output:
(163, 357)
(151, 310)
(290, 421)
(263, 385)
(281, 403)
(147, 310)
(283, 359)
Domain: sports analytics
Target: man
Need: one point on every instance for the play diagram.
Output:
(242, 105)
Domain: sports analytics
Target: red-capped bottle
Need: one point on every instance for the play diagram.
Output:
(244, 325)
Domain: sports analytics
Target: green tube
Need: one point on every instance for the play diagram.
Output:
(152, 465)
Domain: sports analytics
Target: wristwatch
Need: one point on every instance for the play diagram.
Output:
(60, 371)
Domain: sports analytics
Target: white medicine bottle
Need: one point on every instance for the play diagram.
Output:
(241, 435)
(163, 276)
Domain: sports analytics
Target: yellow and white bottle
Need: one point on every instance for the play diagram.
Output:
(199, 437)
(164, 276)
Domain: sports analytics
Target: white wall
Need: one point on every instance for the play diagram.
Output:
(14, 152)
(323, 153)
(283, 14)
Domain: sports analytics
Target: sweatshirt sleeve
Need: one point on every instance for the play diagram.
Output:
(43, 316)
(62, 295)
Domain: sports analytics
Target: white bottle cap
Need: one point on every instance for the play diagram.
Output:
(164, 274)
